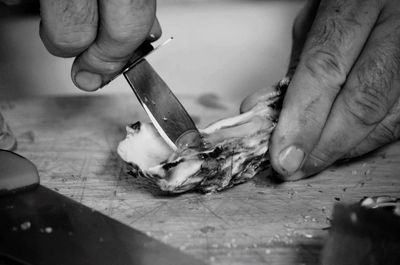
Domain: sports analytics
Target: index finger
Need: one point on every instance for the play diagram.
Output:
(68, 27)
(123, 26)
(335, 40)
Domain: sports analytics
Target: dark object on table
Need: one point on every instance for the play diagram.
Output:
(362, 236)
(39, 226)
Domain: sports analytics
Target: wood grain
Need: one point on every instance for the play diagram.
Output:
(72, 140)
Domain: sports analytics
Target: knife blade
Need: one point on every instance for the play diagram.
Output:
(39, 226)
(165, 111)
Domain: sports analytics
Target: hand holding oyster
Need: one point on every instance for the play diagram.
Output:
(234, 150)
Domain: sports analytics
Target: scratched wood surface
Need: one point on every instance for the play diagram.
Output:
(72, 140)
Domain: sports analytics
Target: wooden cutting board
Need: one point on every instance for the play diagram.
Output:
(72, 140)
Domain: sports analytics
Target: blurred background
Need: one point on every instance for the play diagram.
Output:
(224, 47)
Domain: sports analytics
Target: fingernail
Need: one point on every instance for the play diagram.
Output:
(87, 81)
(290, 159)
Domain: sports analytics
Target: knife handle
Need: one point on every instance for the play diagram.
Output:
(16, 173)
(142, 51)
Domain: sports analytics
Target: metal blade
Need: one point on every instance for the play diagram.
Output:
(42, 227)
(165, 111)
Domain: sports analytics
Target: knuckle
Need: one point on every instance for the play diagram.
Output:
(324, 66)
(316, 161)
(128, 34)
(109, 68)
(388, 132)
(131, 21)
(68, 27)
(70, 42)
(101, 62)
(368, 105)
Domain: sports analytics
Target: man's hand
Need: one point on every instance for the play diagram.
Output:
(343, 100)
(101, 34)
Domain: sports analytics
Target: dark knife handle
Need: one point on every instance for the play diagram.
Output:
(16, 173)
(144, 49)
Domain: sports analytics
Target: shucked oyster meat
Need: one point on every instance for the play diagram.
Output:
(234, 150)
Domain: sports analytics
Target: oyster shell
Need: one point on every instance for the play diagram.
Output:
(234, 150)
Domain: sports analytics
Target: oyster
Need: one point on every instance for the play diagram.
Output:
(234, 150)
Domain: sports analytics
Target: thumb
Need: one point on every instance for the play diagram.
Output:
(123, 26)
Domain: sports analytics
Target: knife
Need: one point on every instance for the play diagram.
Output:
(362, 236)
(39, 226)
(165, 111)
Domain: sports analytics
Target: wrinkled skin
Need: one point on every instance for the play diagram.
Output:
(101, 34)
(343, 100)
